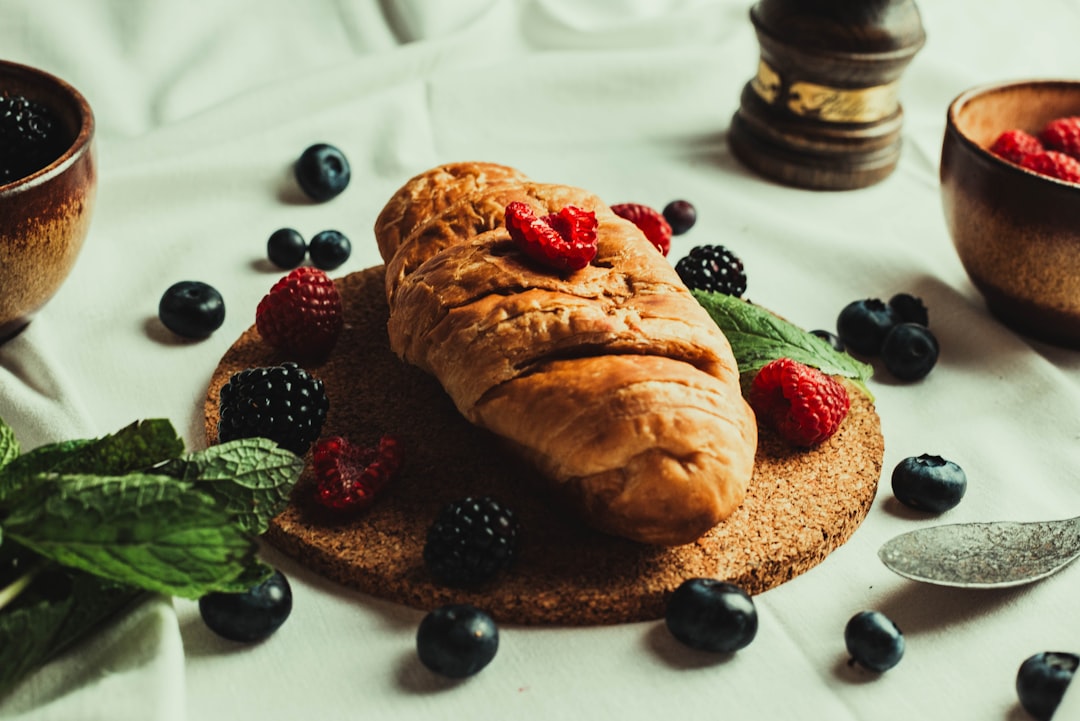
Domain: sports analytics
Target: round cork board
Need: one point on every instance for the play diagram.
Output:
(801, 506)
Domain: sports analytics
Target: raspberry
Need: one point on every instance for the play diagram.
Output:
(1055, 164)
(1015, 145)
(564, 241)
(649, 221)
(283, 403)
(1063, 135)
(30, 137)
(301, 315)
(471, 540)
(803, 405)
(348, 477)
(713, 268)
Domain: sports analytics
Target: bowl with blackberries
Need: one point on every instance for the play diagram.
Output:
(1010, 184)
(48, 184)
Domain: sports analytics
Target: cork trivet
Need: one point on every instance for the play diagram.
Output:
(801, 506)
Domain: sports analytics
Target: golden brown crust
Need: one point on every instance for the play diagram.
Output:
(669, 440)
(430, 192)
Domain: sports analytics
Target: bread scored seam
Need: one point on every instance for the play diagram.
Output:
(612, 380)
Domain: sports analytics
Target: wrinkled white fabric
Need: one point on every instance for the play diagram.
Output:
(201, 108)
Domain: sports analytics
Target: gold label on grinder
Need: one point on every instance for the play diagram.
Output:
(822, 102)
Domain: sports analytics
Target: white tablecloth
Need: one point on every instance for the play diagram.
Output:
(201, 108)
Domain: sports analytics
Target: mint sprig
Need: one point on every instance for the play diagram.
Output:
(759, 337)
(118, 516)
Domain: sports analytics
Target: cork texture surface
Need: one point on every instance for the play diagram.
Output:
(801, 505)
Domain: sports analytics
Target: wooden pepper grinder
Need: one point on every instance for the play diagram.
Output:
(823, 111)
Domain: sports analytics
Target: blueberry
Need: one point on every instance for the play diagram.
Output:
(249, 616)
(928, 483)
(322, 172)
(457, 640)
(910, 351)
(286, 248)
(680, 215)
(863, 324)
(874, 641)
(1041, 682)
(329, 249)
(910, 309)
(831, 338)
(711, 615)
(192, 309)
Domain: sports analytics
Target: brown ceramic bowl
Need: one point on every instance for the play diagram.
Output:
(45, 213)
(1017, 232)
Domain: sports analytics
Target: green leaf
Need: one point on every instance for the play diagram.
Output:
(251, 477)
(40, 626)
(144, 530)
(137, 446)
(9, 445)
(758, 337)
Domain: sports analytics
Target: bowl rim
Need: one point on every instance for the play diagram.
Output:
(982, 89)
(79, 146)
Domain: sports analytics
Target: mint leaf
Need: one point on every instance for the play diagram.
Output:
(9, 445)
(135, 447)
(758, 337)
(145, 530)
(42, 625)
(251, 478)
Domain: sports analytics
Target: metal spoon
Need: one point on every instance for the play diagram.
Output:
(984, 555)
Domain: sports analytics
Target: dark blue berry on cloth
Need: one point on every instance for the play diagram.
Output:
(322, 172)
(711, 615)
(329, 249)
(471, 540)
(457, 640)
(929, 483)
(286, 248)
(680, 215)
(252, 615)
(863, 324)
(874, 641)
(1041, 682)
(283, 403)
(192, 309)
(910, 308)
(910, 351)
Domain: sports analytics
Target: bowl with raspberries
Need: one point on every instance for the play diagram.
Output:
(1010, 188)
(48, 184)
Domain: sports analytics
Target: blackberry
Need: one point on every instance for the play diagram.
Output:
(30, 137)
(471, 540)
(283, 403)
(713, 268)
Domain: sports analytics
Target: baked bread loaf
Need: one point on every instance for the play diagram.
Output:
(611, 379)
